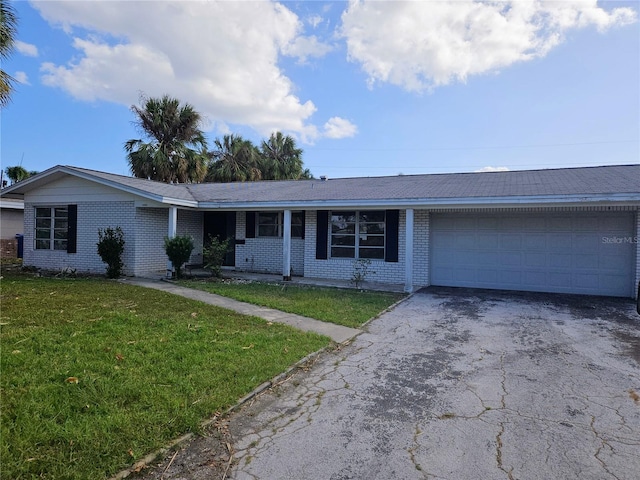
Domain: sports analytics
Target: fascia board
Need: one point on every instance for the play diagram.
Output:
(631, 199)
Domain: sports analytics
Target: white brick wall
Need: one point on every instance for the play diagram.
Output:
(265, 254)
(91, 217)
(152, 226)
(190, 222)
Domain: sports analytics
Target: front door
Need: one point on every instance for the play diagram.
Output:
(223, 226)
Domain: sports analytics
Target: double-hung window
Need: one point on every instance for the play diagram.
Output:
(358, 234)
(51, 228)
(270, 224)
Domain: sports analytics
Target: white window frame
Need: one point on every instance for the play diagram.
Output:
(359, 235)
(57, 238)
(279, 225)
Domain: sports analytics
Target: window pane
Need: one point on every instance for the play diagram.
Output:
(268, 218)
(43, 233)
(372, 216)
(343, 240)
(267, 230)
(59, 244)
(42, 244)
(372, 253)
(343, 252)
(296, 224)
(43, 223)
(343, 228)
(61, 212)
(43, 212)
(349, 217)
(371, 241)
(60, 223)
(60, 234)
(371, 227)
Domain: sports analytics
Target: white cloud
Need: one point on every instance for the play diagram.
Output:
(26, 48)
(314, 20)
(222, 57)
(338, 127)
(492, 169)
(21, 77)
(419, 45)
(304, 47)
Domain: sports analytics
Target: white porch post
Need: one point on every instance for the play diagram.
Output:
(286, 246)
(173, 227)
(408, 280)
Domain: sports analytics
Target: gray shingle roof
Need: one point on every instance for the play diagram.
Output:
(569, 181)
(586, 181)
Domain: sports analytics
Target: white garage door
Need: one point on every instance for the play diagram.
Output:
(587, 253)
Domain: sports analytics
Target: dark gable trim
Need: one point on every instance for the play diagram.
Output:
(391, 236)
(72, 228)
(322, 233)
(250, 228)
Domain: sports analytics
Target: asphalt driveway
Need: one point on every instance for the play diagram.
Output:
(460, 384)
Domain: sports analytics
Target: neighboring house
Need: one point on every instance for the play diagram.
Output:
(11, 224)
(572, 230)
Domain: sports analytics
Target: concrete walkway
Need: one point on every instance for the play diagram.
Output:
(337, 333)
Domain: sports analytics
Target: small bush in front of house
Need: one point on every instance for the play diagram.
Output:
(360, 271)
(213, 253)
(178, 250)
(110, 248)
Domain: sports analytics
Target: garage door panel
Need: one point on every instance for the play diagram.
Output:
(555, 252)
(535, 260)
(511, 241)
(487, 241)
(560, 260)
(535, 241)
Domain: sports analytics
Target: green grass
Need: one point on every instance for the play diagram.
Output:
(347, 307)
(150, 366)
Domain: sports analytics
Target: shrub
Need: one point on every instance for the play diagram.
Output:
(178, 250)
(213, 254)
(110, 248)
(360, 271)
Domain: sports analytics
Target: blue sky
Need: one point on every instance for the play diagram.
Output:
(367, 88)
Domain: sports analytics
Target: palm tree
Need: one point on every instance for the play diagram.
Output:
(177, 149)
(234, 160)
(18, 173)
(281, 159)
(8, 31)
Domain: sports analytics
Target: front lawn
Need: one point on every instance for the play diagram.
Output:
(347, 307)
(96, 374)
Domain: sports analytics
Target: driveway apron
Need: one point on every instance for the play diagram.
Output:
(456, 384)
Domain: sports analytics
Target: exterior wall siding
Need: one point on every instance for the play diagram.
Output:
(91, 217)
(11, 223)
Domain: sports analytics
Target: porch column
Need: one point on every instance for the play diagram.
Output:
(173, 227)
(286, 246)
(408, 268)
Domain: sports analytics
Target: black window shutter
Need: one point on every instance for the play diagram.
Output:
(302, 214)
(391, 236)
(72, 228)
(322, 232)
(250, 231)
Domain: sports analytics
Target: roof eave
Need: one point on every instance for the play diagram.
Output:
(458, 202)
(19, 188)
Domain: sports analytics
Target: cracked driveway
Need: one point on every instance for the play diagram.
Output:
(460, 384)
